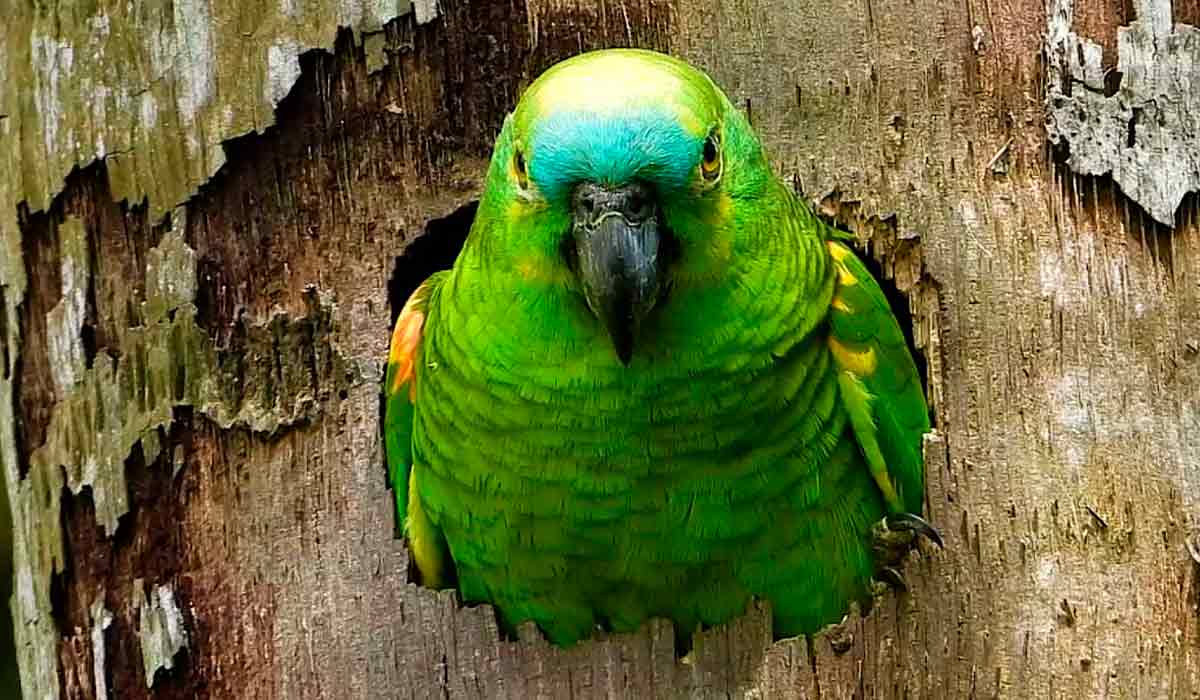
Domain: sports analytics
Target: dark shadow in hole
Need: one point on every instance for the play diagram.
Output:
(88, 335)
(59, 580)
(436, 248)
(1112, 81)
(1131, 132)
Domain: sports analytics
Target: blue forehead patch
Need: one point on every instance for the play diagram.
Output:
(570, 147)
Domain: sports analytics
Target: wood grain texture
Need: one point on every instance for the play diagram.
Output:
(1060, 326)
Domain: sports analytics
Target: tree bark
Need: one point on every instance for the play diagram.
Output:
(201, 221)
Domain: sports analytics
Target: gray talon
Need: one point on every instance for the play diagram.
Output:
(893, 578)
(914, 523)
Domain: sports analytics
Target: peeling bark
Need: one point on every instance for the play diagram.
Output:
(192, 334)
(1138, 120)
(161, 631)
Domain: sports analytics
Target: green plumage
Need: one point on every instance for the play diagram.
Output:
(741, 451)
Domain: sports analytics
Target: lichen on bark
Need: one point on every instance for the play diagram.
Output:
(161, 631)
(119, 401)
(1145, 132)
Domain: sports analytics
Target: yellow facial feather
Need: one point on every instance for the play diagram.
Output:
(538, 269)
(721, 214)
(608, 81)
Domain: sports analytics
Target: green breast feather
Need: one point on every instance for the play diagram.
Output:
(653, 383)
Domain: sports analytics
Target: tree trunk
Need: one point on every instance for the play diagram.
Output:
(201, 218)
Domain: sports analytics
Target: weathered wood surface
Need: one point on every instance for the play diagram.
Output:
(192, 329)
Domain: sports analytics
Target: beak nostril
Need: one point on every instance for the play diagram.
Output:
(633, 201)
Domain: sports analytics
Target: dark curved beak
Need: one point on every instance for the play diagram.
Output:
(616, 236)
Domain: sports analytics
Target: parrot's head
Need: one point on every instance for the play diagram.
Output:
(620, 176)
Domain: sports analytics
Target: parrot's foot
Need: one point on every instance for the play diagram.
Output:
(892, 578)
(893, 538)
(907, 522)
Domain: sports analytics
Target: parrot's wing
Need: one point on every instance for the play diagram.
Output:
(400, 396)
(880, 385)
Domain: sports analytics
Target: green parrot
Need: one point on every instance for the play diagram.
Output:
(653, 383)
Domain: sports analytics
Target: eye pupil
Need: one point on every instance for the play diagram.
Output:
(519, 167)
(711, 166)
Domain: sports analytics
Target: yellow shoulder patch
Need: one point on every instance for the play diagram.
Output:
(860, 362)
(839, 253)
(405, 338)
(537, 269)
(837, 250)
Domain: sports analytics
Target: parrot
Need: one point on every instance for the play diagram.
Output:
(653, 383)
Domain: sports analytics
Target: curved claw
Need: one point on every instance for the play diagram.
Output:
(914, 523)
(893, 578)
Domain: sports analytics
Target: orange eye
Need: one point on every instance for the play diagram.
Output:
(520, 172)
(710, 165)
